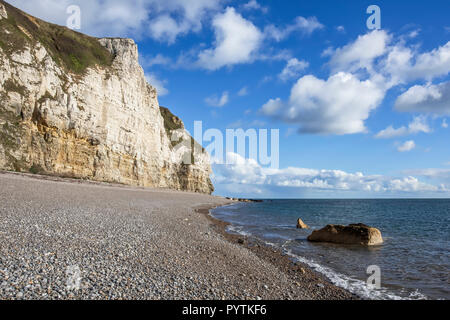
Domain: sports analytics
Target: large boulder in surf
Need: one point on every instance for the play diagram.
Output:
(301, 224)
(351, 234)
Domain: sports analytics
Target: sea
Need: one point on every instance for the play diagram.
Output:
(412, 263)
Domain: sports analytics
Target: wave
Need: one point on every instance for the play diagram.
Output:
(353, 285)
(238, 230)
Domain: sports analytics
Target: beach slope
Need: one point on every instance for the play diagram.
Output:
(70, 239)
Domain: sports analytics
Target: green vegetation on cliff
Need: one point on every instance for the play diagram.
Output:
(173, 123)
(74, 51)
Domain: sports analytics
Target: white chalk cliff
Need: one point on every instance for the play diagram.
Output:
(77, 106)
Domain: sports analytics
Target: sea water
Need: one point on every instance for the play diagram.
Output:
(414, 259)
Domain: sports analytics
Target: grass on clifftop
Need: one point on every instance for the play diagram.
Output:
(72, 50)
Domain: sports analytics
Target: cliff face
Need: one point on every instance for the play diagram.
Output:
(77, 106)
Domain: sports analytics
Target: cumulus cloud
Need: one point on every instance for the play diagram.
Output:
(293, 69)
(362, 72)
(240, 171)
(166, 28)
(419, 124)
(159, 85)
(338, 105)
(437, 175)
(305, 26)
(404, 64)
(272, 107)
(427, 98)
(237, 41)
(390, 61)
(406, 146)
(149, 61)
(215, 101)
(173, 18)
(431, 173)
(360, 53)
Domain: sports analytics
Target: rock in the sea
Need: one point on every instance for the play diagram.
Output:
(351, 234)
(301, 224)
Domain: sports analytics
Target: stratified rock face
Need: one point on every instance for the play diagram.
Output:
(87, 114)
(352, 234)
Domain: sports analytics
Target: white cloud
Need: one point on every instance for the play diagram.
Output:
(444, 124)
(361, 74)
(440, 175)
(389, 62)
(419, 124)
(413, 34)
(254, 5)
(427, 98)
(339, 105)
(240, 171)
(405, 65)
(340, 29)
(407, 146)
(272, 107)
(237, 41)
(159, 85)
(165, 28)
(308, 25)
(391, 132)
(305, 26)
(293, 69)
(173, 18)
(243, 92)
(360, 53)
(215, 101)
(149, 61)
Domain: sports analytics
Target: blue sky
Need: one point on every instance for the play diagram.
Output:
(361, 113)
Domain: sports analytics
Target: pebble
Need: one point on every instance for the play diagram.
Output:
(127, 243)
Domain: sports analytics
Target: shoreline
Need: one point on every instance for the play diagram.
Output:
(135, 243)
(301, 273)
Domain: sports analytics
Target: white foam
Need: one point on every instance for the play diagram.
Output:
(355, 286)
(239, 230)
